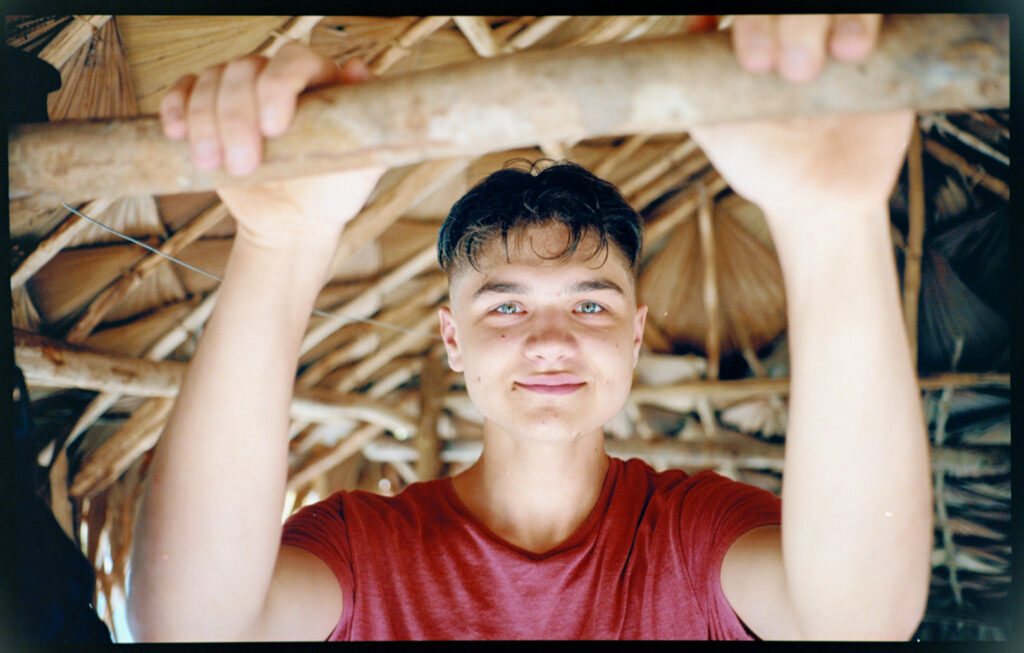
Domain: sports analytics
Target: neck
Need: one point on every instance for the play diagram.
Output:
(534, 494)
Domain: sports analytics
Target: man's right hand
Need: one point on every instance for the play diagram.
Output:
(225, 113)
(213, 570)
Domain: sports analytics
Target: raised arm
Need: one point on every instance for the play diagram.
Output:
(852, 558)
(207, 563)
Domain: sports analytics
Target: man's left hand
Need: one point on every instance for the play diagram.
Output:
(796, 46)
(807, 164)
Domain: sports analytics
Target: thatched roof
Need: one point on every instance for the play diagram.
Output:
(104, 328)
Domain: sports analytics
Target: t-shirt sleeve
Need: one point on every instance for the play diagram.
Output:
(320, 529)
(715, 512)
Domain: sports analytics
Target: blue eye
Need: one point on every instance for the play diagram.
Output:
(507, 309)
(590, 307)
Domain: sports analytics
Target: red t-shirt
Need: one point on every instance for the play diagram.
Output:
(644, 564)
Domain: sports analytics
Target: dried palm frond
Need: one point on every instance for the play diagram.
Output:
(749, 286)
(161, 49)
(23, 312)
(67, 283)
(96, 81)
(32, 33)
(161, 287)
(133, 216)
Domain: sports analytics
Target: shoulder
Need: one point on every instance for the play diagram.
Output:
(347, 507)
(705, 497)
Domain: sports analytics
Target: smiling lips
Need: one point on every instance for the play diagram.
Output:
(551, 384)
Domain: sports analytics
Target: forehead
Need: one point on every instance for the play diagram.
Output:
(539, 252)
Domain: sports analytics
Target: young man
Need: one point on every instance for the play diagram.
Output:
(546, 536)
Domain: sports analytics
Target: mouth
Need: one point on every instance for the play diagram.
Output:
(551, 384)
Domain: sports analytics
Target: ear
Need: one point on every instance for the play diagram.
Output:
(449, 333)
(638, 331)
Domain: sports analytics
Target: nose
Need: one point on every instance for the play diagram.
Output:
(551, 338)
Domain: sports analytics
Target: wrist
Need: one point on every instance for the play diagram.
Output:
(313, 241)
(813, 241)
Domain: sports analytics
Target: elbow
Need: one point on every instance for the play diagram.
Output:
(899, 623)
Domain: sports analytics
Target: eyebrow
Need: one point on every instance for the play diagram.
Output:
(579, 287)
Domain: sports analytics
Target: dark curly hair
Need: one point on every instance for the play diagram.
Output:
(511, 200)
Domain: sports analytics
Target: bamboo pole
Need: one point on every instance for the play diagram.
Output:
(376, 217)
(921, 62)
(972, 172)
(134, 277)
(609, 28)
(710, 294)
(432, 390)
(478, 32)
(397, 345)
(729, 447)
(48, 362)
(296, 29)
(534, 32)
(712, 183)
(78, 32)
(55, 241)
(368, 302)
(663, 164)
(401, 315)
(915, 240)
(103, 466)
(967, 138)
(319, 465)
(672, 178)
(415, 33)
(622, 153)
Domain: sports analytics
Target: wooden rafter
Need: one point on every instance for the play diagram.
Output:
(362, 124)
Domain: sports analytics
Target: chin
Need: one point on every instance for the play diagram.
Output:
(553, 428)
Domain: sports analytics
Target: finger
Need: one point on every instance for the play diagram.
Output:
(753, 40)
(203, 136)
(292, 70)
(240, 136)
(355, 71)
(854, 36)
(172, 108)
(801, 41)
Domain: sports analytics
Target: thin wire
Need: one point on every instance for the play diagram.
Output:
(367, 320)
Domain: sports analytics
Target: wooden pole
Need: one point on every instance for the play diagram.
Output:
(47, 362)
(55, 242)
(728, 447)
(432, 391)
(922, 62)
(972, 172)
(131, 279)
(915, 240)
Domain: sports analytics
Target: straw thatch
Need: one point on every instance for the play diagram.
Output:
(711, 386)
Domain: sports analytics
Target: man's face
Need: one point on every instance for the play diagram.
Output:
(547, 345)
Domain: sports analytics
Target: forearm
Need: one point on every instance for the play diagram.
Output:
(209, 525)
(856, 496)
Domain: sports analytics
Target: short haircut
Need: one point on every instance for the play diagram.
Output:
(511, 200)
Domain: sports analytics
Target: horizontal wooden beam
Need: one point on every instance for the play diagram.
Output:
(922, 62)
(727, 447)
(48, 362)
